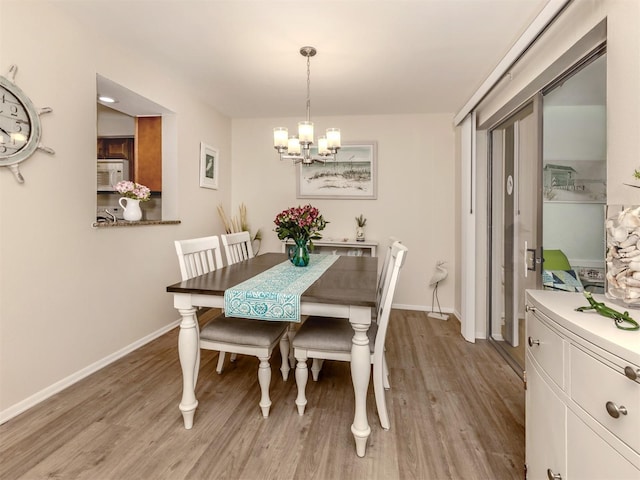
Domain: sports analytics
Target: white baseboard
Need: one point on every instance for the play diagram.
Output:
(419, 308)
(20, 407)
(438, 316)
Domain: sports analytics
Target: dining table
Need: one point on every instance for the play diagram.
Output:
(347, 289)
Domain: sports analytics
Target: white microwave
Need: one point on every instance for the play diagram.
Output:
(110, 172)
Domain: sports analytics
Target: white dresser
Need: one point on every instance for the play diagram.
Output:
(583, 391)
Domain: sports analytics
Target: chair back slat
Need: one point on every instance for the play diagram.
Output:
(396, 261)
(383, 272)
(237, 247)
(198, 256)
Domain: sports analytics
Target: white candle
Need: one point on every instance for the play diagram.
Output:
(322, 146)
(305, 132)
(333, 138)
(280, 137)
(294, 146)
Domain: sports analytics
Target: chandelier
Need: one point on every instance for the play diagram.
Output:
(298, 148)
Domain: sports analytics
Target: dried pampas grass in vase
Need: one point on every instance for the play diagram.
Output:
(240, 224)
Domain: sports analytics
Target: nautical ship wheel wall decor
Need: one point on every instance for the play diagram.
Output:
(20, 128)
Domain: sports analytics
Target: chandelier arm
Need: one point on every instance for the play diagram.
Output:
(306, 160)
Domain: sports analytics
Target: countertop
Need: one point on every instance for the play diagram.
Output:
(124, 223)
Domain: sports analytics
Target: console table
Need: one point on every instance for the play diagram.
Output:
(583, 391)
(340, 246)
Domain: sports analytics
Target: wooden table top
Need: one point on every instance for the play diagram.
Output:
(349, 281)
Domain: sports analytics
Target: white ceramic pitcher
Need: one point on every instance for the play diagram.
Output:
(132, 211)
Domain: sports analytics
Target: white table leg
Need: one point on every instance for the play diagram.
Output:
(302, 375)
(284, 353)
(291, 332)
(188, 349)
(360, 319)
(264, 379)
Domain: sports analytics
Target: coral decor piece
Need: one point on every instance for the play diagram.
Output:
(623, 255)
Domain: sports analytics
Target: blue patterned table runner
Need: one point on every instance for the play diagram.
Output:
(275, 293)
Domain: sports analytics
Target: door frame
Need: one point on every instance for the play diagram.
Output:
(533, 106)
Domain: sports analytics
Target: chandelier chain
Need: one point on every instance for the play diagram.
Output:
(308, 88)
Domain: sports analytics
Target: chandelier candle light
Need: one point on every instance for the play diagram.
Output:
(298, 148)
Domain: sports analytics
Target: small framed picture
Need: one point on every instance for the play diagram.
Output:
(209, 159)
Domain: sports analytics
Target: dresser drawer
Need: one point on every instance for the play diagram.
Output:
(546, 346)
(589, 457)
(594, 384)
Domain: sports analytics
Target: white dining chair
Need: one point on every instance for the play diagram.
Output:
(383, 272)
(237, 246)
(316, 366)
(198, 256)
(243, 336)
(331, 339)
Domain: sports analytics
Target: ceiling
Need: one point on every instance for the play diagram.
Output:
(374, 57)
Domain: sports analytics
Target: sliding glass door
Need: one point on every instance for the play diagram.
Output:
(560, 189)
(515, 226)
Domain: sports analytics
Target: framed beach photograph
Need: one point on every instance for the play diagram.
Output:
(209, 159)
(352, 175)
(575, 181)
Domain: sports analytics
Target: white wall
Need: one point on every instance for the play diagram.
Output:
(623, 99)
(575, 132)
(112, 123)
(72, 295)
(582, 240)
(416, 191)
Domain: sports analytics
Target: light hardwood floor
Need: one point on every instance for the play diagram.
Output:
(456, 410)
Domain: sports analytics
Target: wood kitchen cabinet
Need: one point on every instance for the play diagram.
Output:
(116, 147)
(144, 151)
(148, 152)
(583, 392)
